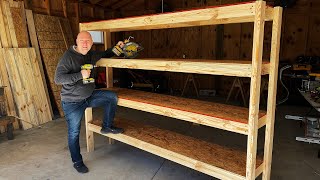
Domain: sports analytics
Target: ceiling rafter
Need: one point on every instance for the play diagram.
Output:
(121, 4)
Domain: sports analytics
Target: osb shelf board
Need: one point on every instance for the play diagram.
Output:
(223, 116)
(228, 112)
(232, 160)
(199, 66)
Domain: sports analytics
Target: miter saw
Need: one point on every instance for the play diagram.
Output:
(130, 49)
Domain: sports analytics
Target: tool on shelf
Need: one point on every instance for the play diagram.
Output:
(130, 49)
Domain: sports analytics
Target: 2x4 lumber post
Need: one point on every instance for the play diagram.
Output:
(10, 26)
(109, 71)
(6, 40)
(35, 45)
(272, 91)
(89, 134)
(258, 33)
(3, 34)
(24, 21)
(5, 82)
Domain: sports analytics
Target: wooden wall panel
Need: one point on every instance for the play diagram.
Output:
(295, 36)
(313, 47)
(246, 41)
(56, 5)
(231, 41)
(175, 43)
(159, 41)
(66, 32)
(191, 42)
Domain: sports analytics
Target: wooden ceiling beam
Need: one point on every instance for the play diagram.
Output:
(95, 1)
(121, 4)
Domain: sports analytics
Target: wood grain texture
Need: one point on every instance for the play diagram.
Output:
(208, 16)
(197, 153)
(255, 84)
(26, 82)
(272, 91)
(35, 44)
(20, 25)
(4, 81)
(213, 67)
(227, 117)
(52, 46)
(10, 25)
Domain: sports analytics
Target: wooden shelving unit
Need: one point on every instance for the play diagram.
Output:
(227, 163)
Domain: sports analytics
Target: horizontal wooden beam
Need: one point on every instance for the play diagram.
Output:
(199, 66)
(239, 13)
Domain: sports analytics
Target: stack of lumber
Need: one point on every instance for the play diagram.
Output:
(27, 87)
(54, 36)
(24, 69)
(25, 92)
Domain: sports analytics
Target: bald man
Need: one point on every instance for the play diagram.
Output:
(77, 96)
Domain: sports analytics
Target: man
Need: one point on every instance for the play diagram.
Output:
(77, 96)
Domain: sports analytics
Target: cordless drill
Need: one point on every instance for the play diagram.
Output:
(89, 79)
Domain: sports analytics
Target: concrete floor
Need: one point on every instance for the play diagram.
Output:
(42, 153)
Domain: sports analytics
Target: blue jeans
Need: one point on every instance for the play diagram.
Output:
(74, 111)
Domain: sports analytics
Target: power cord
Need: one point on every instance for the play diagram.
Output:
(280, 77)
(33, 125)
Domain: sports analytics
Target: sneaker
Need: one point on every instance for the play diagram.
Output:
(112, 129)
(81, 167)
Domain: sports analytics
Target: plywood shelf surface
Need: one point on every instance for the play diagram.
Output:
(222, 116)
(199, 66)
(206, 157)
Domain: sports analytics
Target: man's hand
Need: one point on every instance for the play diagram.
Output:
(85, 73)
(120, 44)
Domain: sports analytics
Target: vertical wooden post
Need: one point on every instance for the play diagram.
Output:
(64, 7)
(89, 134)
(47, 4)
(272, 91)
(28, 4)
(109, 72)
(76, 7)
(11, 110)
(23, 14)
(5, 32)
(11, 31)
(260, 7)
